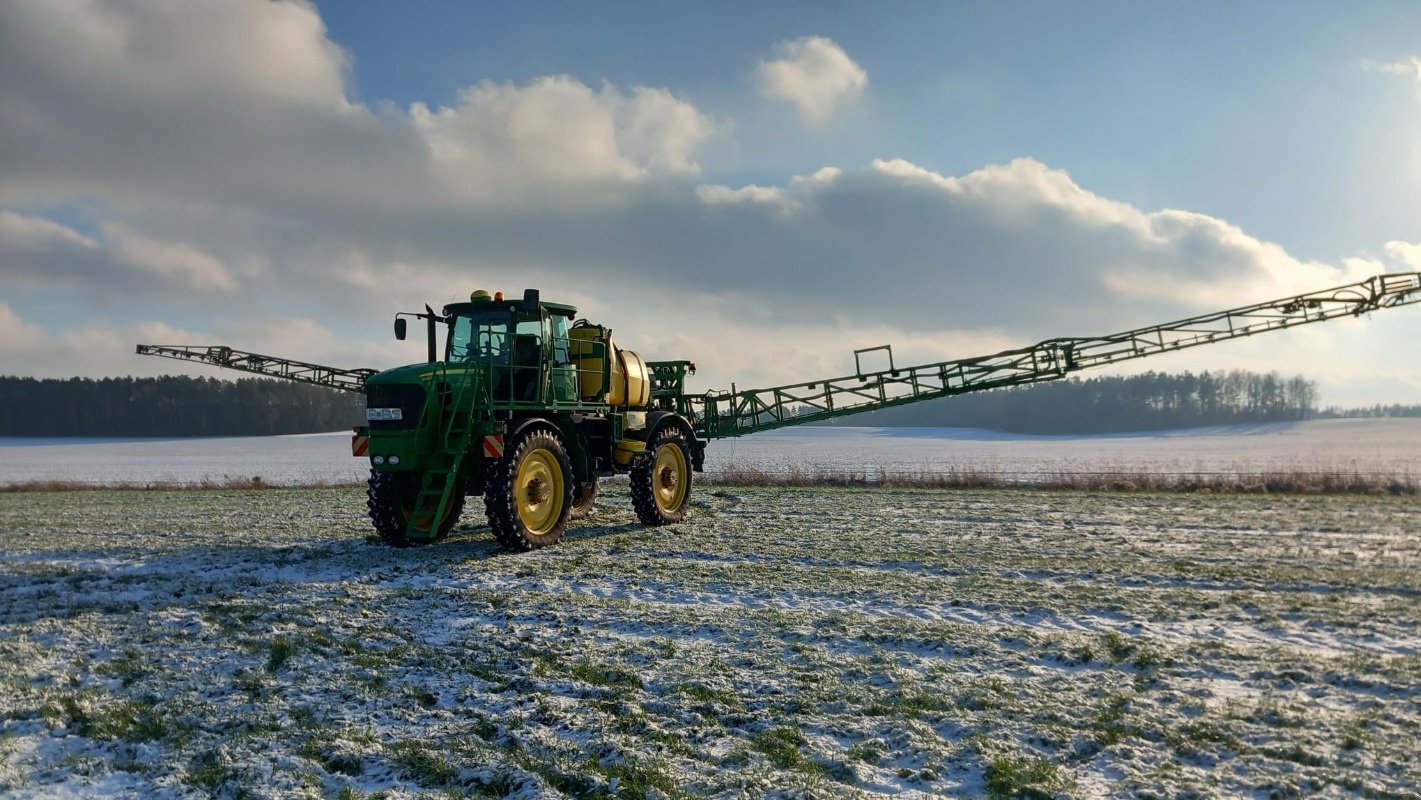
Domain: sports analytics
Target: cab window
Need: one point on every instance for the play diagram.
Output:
(479, 337)
(561, 354)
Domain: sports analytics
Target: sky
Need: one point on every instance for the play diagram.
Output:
(760, 188)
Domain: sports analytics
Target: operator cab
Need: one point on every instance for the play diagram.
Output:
(523, 343)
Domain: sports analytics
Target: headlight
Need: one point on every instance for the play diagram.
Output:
(394, 460)
(377, 460)
(384, 414)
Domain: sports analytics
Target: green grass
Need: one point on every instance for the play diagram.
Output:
(278, 652)
(424, 763)
(606, 675)
(1022, 776)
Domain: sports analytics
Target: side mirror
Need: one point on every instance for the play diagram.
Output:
(401, 326)
(531, 301)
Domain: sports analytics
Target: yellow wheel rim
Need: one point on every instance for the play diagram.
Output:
(423, 522)
(539, 490)
(670, 477)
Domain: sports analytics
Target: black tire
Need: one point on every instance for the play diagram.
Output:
(390, 497)
(584, 496)
(528, 494)
(661, 479)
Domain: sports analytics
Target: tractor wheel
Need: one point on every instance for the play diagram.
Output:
(528, 496)
(391, 501)
(583, 496)
(661, 479)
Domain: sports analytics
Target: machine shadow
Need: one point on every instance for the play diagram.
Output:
(476, 542)
(195, 576)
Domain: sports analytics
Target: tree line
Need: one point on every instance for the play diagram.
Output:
(1378, 410)
(1114, 404)
(172, 406)
(185, 406)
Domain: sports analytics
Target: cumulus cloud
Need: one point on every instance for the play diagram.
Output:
(27, 348)
(286, 216)
(38, 250)
(248, 103)
(16, 335)
(1020, 244)
(558, 130)
(1406, 253)
(813, 74)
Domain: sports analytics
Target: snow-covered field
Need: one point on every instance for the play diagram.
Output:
(824, 643)
(1369, 446)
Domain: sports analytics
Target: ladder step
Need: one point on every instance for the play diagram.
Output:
(436, 493)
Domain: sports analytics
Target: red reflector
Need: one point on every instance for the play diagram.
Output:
(493, 446)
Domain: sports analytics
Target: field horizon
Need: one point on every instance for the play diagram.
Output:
(1378, 450)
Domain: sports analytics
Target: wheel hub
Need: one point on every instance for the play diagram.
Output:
(668, 478)
(537, 491)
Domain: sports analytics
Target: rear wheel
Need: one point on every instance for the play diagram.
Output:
(661, 479)
(584, 495)
(528, 496)
(390, 497)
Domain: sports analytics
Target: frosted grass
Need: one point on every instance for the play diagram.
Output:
(784, 642)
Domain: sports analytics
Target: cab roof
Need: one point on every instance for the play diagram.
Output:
(558, 309)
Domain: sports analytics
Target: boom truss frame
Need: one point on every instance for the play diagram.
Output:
(740, 412)
(348, 380)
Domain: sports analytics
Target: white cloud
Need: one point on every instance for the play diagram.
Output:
(813, 74)
(16, 335)
(108, 349)
(1406, 253)
(1410, 66)
(295, 220)
(558, 131)
(173, 261)
(1019, 245)
(38, 250)
(30, 350)
(785, 199)
(248, 103)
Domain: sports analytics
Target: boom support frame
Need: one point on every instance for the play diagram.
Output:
(348, 380)
(740, 412)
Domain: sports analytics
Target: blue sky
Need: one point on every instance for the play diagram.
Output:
(760, 187)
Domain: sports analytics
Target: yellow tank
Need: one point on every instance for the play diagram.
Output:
(631, 386)
(631, 380)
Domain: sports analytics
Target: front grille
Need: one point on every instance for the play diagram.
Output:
(408, 397)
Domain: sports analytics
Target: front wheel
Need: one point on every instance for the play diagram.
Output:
(528, 496)
(390, 497)
(661, 479)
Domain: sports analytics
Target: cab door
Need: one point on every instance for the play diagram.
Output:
(564, 372)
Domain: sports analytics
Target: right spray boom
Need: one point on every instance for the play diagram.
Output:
(738, 412)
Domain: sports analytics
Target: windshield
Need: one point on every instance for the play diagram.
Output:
(479, 337)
